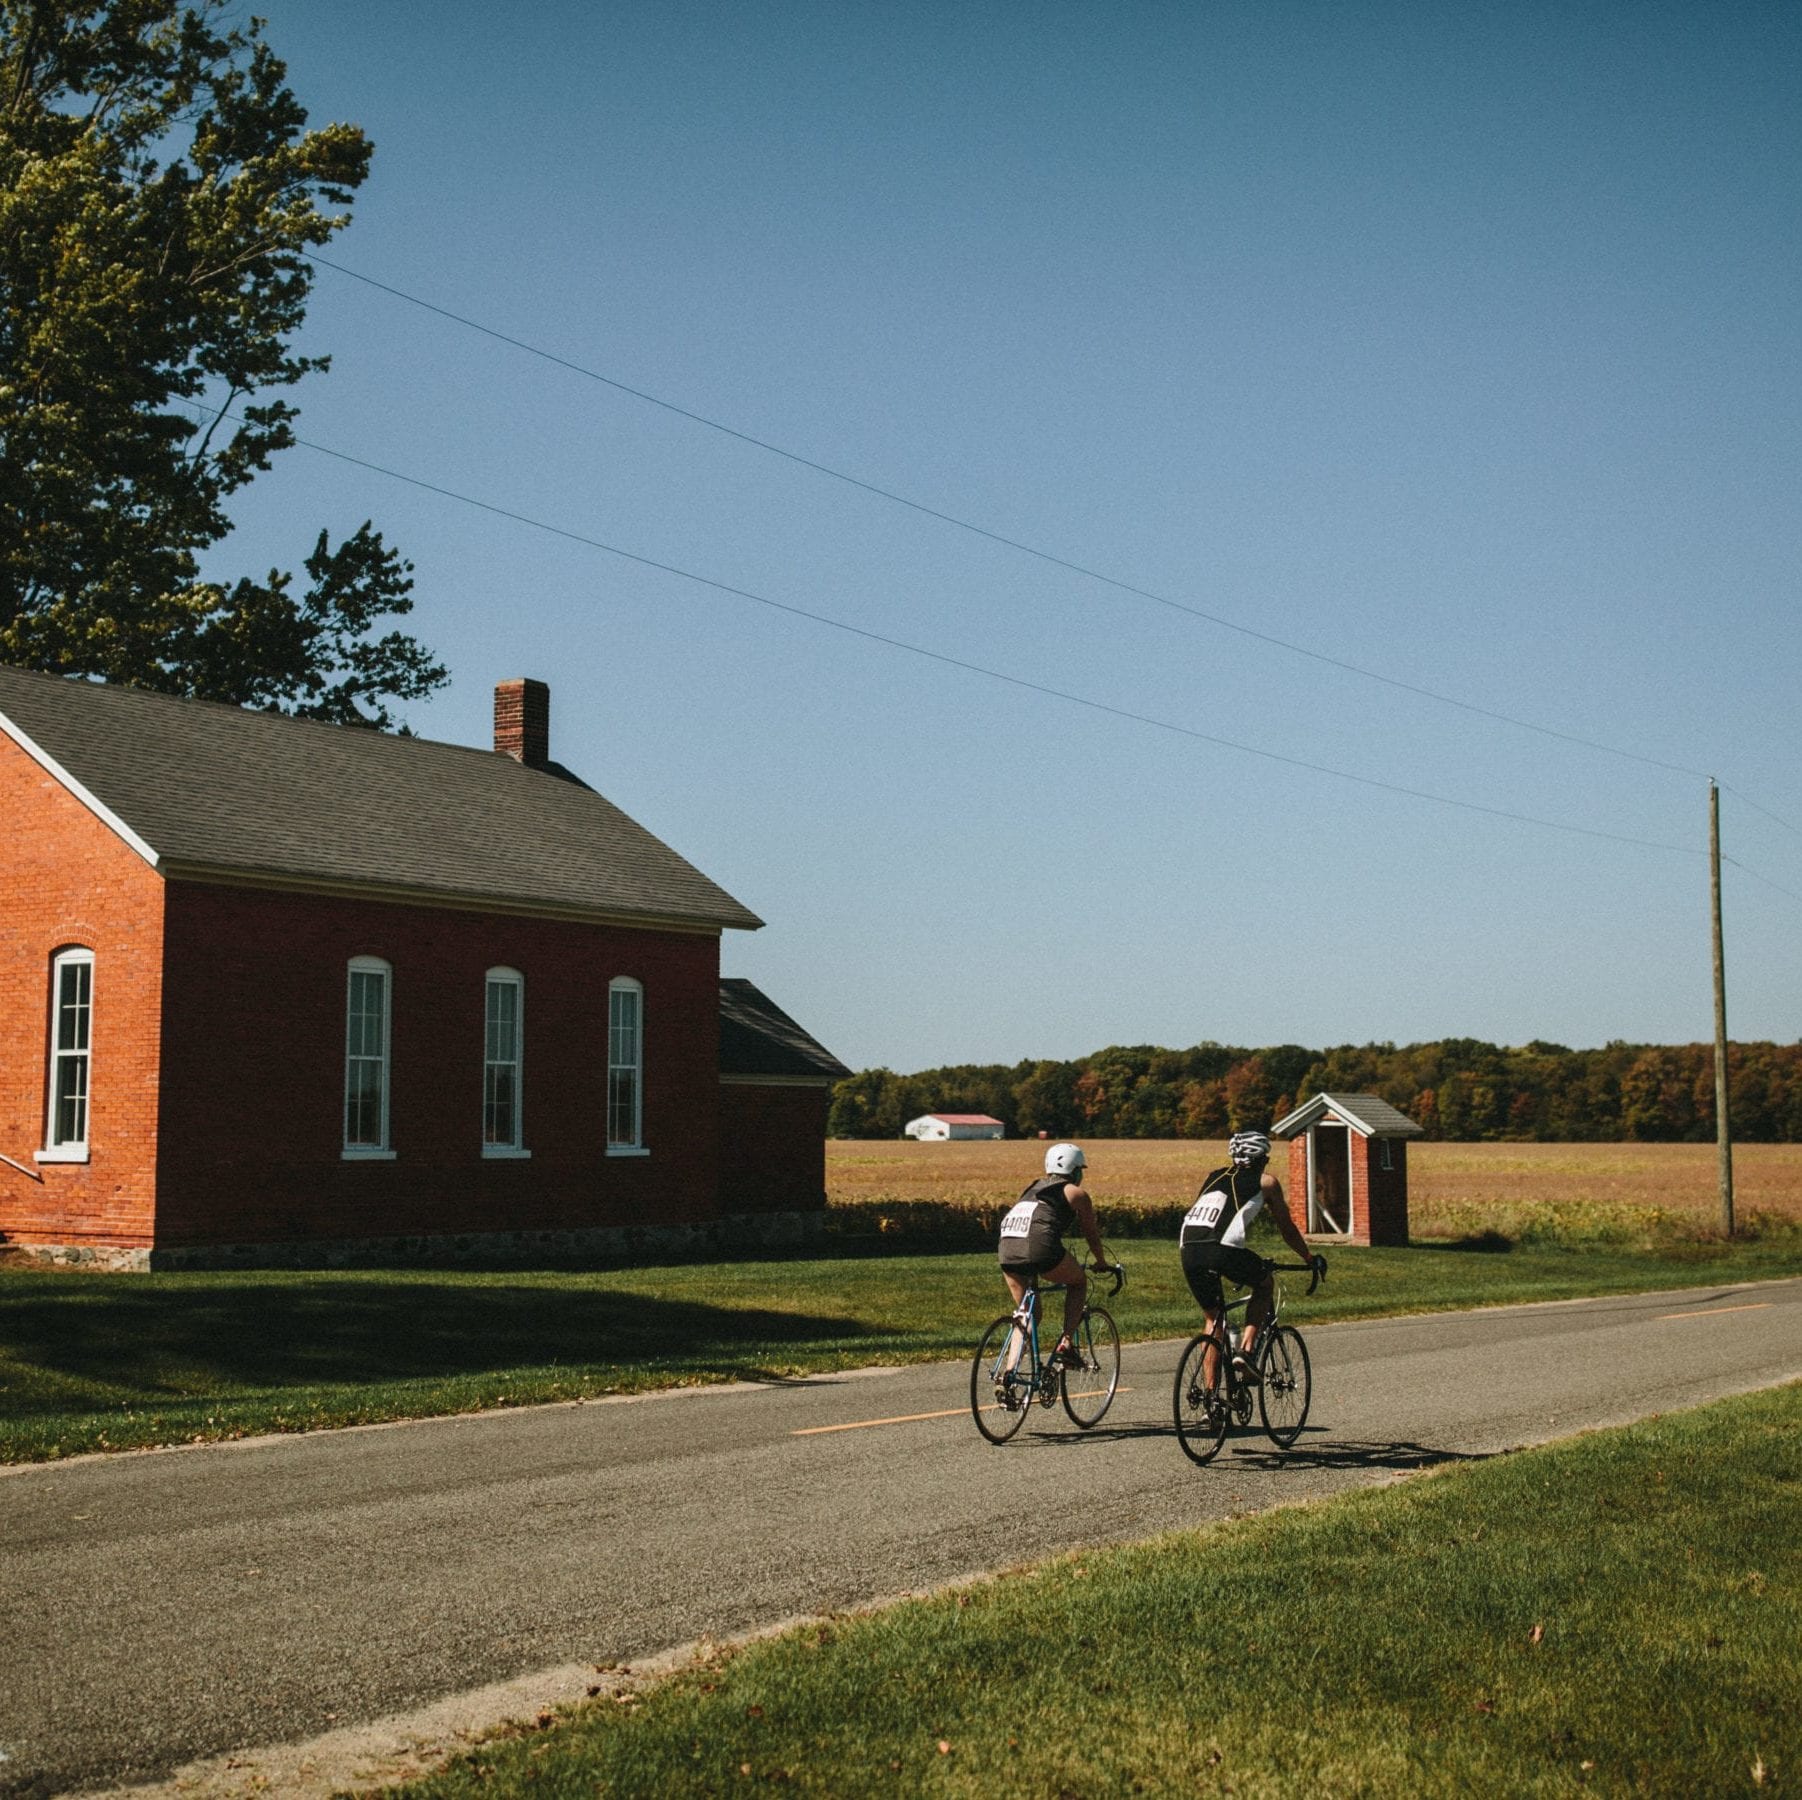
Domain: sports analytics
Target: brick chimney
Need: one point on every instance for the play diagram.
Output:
(522, 722)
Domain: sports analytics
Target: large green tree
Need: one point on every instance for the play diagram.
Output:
(159, 191)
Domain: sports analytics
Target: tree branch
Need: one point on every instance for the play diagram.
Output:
(199, 454)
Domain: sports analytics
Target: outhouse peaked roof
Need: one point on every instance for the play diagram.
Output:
(1366, 1114)
(212, 792)
(759, 1041)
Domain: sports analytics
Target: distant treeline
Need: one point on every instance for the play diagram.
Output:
(1458, 1088)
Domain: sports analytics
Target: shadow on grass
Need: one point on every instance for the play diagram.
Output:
(161, 1345)
(1493, 1243)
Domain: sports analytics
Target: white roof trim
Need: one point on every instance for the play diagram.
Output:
(103, 813)
(1310, 1114)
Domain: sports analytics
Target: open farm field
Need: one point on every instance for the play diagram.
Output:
(1454, 1189)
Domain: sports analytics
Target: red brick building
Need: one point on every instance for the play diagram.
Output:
(1348, 1158)
(277, 991)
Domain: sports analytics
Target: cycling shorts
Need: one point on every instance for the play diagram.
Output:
(1204, 1264)
(1038, 1254)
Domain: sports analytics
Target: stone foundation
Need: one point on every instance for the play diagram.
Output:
(709, 1240)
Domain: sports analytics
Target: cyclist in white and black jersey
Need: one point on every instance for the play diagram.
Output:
(1032, 1239)
(1213, 1240)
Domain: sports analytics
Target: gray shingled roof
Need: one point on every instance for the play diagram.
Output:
(1376, 1116)
(222, 791)
(758, 1038)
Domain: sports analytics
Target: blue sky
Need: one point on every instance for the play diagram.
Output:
(1456, 342)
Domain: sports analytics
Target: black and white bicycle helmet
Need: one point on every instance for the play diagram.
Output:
(1248, 1147)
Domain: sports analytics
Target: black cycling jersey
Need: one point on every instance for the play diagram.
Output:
(1050, 1192)
(1229, 1200)
(1032, 1233)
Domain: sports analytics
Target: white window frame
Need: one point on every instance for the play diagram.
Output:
(70, 1149)
(514, 1149)
(635, 1145)
(368, 965)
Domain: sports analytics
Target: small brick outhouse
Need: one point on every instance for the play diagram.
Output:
(1348, 1153)
(280, 991)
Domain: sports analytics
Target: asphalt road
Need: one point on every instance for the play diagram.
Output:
(157, 1608)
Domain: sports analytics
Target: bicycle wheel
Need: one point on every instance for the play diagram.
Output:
(1287, 1386)
(1202, 1413)
(1000, 1397)
(1089, 1391)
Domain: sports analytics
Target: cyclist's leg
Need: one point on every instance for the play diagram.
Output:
(1021, 1279)
(1076, 1291)
(1257, 1310)
(1204, 1284)
(1245, 1268)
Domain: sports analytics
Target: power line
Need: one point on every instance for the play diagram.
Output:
(996, 537)
(972, 668)
(1768, 882)
(1787, 826)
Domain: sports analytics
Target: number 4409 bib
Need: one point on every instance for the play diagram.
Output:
(1020, 1218)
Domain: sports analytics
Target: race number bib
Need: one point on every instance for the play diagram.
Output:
(1019, 1220)
(1204, 1215)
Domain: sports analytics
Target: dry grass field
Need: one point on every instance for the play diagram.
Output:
(1454, 1189)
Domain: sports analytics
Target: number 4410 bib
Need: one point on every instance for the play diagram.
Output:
(1204, 1215)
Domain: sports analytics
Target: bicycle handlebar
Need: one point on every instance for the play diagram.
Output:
(1117, 1270)
(1315, 1270)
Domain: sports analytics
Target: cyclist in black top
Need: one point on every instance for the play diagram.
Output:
(1032, 1239)
(1213, 1240)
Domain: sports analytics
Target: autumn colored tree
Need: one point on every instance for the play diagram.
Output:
(1458, 1088)
(159, 193)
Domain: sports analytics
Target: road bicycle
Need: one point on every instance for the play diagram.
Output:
(1009, 1375)
(1206, 1409)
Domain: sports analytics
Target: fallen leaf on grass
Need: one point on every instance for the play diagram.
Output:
(1759, 1771)
(944, 1746)
(1536, 1635)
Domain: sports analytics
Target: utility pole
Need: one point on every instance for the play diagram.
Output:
(1722, 1132)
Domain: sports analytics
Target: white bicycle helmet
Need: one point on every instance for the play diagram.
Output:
(1247, 1147)
(1066, 1160)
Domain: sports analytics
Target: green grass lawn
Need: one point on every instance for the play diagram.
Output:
(1618, 1614)
(93, 1362)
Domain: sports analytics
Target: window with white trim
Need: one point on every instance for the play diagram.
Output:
(625, 1066)
(366, 1057)
(71, 1033)
(502, 1058)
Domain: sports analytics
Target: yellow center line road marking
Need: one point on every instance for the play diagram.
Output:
(949, 1412)
(1750, 1306)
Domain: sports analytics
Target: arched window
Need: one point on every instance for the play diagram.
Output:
(503, 1061)
(71, 1034)
(367, 1006)
(625, 1067)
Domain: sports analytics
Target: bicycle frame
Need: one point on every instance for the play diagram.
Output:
(1208, 1402)
(1042, 1386)
(1010, 1366)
